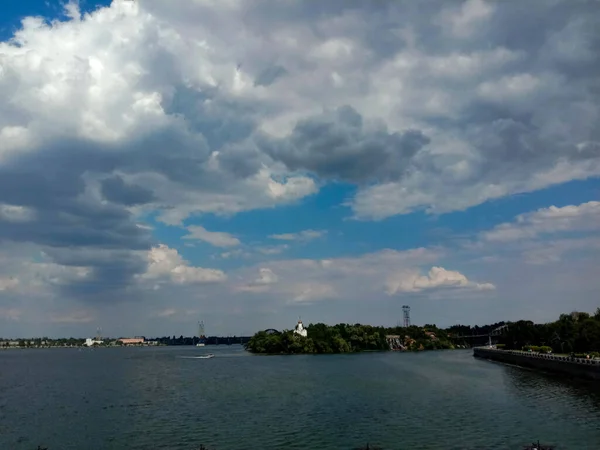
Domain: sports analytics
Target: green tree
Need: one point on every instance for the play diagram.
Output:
(577, 331)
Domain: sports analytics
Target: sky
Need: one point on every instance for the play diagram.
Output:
(247, 163)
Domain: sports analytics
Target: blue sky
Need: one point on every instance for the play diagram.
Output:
(14, 12)
(348, 237)
(243, 164)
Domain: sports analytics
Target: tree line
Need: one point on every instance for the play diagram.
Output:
(576, 332)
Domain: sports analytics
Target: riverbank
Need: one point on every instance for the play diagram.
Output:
(565, 365)
(84, 347)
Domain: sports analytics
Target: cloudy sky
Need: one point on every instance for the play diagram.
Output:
(246, 162)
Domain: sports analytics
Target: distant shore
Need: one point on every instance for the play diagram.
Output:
(84, 347)
(94, 347)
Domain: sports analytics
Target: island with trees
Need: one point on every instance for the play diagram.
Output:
(346, 338)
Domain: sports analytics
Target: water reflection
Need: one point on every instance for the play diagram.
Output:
(536, 385)
(566, 411)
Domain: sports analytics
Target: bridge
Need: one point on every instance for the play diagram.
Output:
(495, 332)
(480, 339)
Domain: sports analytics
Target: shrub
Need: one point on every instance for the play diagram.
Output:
(545, 349)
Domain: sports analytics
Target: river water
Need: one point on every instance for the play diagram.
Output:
(163, 398)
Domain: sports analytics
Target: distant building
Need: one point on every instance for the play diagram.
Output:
(132, 341)
(300, 330)
(90, 342)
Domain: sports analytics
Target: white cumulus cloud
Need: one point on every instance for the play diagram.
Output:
(167, 263)
(437, 277)
(216, 238)
(12, 213)
(266, 276)
(547, 221)
(305, 235)
(8, 283)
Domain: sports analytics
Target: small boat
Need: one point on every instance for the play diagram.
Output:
(210, 355)
(537, 446)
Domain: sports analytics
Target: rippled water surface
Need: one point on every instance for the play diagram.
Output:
(160, 398)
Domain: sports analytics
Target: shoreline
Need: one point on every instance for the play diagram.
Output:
(564, 365)
(83, 347)
(357, 352)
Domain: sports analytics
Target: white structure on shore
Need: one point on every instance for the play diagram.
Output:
(90, 342)
(300, 330)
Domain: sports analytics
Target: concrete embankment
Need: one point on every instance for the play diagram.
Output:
(574, 367)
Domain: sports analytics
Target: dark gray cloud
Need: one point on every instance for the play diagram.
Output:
(73, 226)
(219, 119)
(340, 145)
(269, 75)
(110, 270)
(82, 232)
(116, 190)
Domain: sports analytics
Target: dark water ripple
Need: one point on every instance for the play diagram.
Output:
(162, 399)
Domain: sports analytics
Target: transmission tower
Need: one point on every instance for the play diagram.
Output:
(406, 314)
(201, 330)
(98, 334)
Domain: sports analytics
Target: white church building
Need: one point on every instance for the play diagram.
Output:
(90, 342)
(300, 330)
